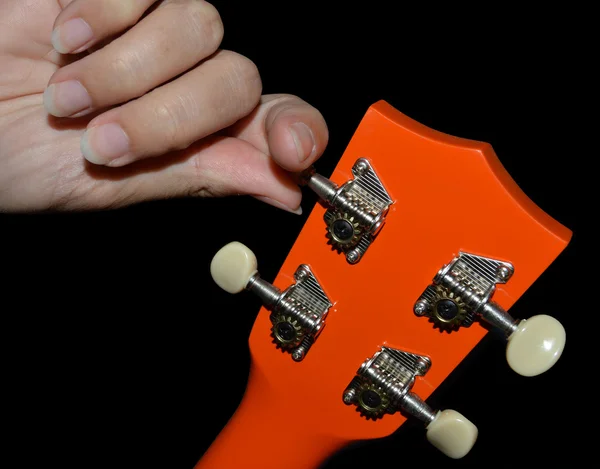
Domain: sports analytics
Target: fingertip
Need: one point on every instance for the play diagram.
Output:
(56, 42)
(49, 101)
(88, 152)
(72, 36)
(67, 99)
(106, 144)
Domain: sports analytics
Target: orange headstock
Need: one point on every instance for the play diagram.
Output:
(449, 195)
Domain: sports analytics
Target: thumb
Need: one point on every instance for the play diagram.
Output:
(213, 167)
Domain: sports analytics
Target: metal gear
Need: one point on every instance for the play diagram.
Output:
(448, 310)
(286, 331)
(372, 401)
(343, 231)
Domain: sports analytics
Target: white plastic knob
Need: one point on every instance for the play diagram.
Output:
(536, 345)
(233, 266)
(452, 433)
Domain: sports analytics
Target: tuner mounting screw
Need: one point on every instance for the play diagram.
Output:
(353, 256)
(360, 167)
(420, 308)
(349, 396)
(504, 273)
(422, 365)
(301, 274)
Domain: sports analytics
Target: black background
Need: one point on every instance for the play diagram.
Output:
(120, 352)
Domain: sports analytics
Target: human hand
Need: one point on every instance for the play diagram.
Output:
(139, 104)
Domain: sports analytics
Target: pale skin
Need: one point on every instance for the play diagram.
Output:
(107, 103)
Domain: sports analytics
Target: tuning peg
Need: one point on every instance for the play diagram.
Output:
(297, 314)
(233, 266)
(382, 386)
(452, 433)
(356, 210)
(535, 345)
(462, 291)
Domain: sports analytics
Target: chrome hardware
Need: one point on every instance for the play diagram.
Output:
(461, 291)
(297, 314)
(383, 382)
(356, 209)
(382, 386)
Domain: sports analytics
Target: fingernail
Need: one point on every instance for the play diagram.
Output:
(71, 35)
(66, 98)
(304, 140)
(275, 203)
(105, 143)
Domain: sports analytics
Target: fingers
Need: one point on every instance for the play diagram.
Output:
(214, 90)
(83, 23)
(209, 98)
(287, 128)
(164, 44)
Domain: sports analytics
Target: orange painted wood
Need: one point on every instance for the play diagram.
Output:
(270, 430)
(450, 194)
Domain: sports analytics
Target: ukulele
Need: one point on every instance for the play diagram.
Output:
(383, 295)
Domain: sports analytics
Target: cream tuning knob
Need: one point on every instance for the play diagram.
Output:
(233, 266)
(452, 433)
(535, 345)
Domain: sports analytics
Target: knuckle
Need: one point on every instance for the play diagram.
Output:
(284, 102)
(169, 114)
(124, 70)
(122, 13)
(200, 185)
(204, 24)
(244, 82)
(288, 98)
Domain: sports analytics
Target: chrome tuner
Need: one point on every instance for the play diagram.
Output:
(356, 209)
(461, 292)
(382, 386)
(297, 314)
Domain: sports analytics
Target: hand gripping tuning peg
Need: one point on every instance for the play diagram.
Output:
(297, 314)
(382, 386)
(461, 292)
(356, 210)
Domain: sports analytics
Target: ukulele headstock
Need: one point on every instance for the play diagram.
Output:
(419, 239)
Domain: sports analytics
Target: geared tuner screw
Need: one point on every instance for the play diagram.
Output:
(356, 210)
(461, 292)
(286, 332)
(297, 314)
(383, 384)
(447, 309)
(343, 230)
